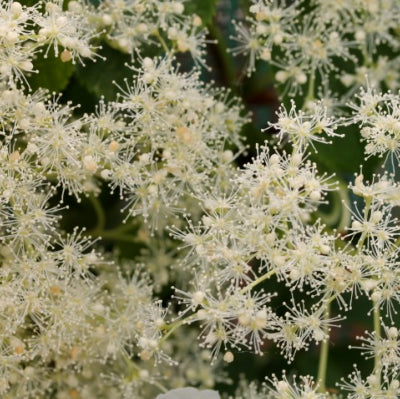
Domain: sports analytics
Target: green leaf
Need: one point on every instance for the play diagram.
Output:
(205, 9)
(345, 155)
(97, 77)
(53, 74)
(79, 94)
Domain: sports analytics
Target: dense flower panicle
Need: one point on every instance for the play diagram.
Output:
(382, 189)
(71, 32)
(305, 47)
(152, 145)
(370, 387)
(25, 30)
(162, 23)
(374, 232)
(236, 319)
(69, 29)
(178, 143)
(299, 327)
(377, 228)
(248, 225)
(377, 114)
(386, 347)
(78, 320)
(305, 128)
(308, 257)
(63, 302)
(73, 318)
(382, 73)
(301, 387)
(268, 30)
(17, 47)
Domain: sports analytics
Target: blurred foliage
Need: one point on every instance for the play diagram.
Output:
(205, 9)
(100, 77)
(51, 72)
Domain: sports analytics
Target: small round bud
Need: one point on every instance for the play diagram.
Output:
(228, 357)
(148, 78)
(265, 55)
(281, 76)
(26, 65)
(315, 195)
(142, 28)
(143, 374)
(148, 63)
(107, 19)
(16, 8)
(360, 35)
(393, 333)
(197, 21)
(197, 298)
(65, 56)
(90, 163)
(274, 159)
(301, 78)
(178, 8)
(113, 146)
(105, 174)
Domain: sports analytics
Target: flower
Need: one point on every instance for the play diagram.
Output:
(189, 393)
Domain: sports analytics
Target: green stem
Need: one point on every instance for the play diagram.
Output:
(376, 311)
(323, 360)
(377, 329)
(311, 88)
(174, 326)
(159, 386)
(323, 354)
(116, 234)
(117, 237)
(223, 55)
(364, 234)
(340, 214)
(162, 41)
(101, 217)
(366, 58)
(258, 281)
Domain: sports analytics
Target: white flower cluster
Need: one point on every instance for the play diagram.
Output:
(79, 321)
(378, 115)
(263, 226)
(73, 323)
(281, 388)
(25, 30)
(260, 219)
(309, 46)
(71, 33)
(130, 25)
